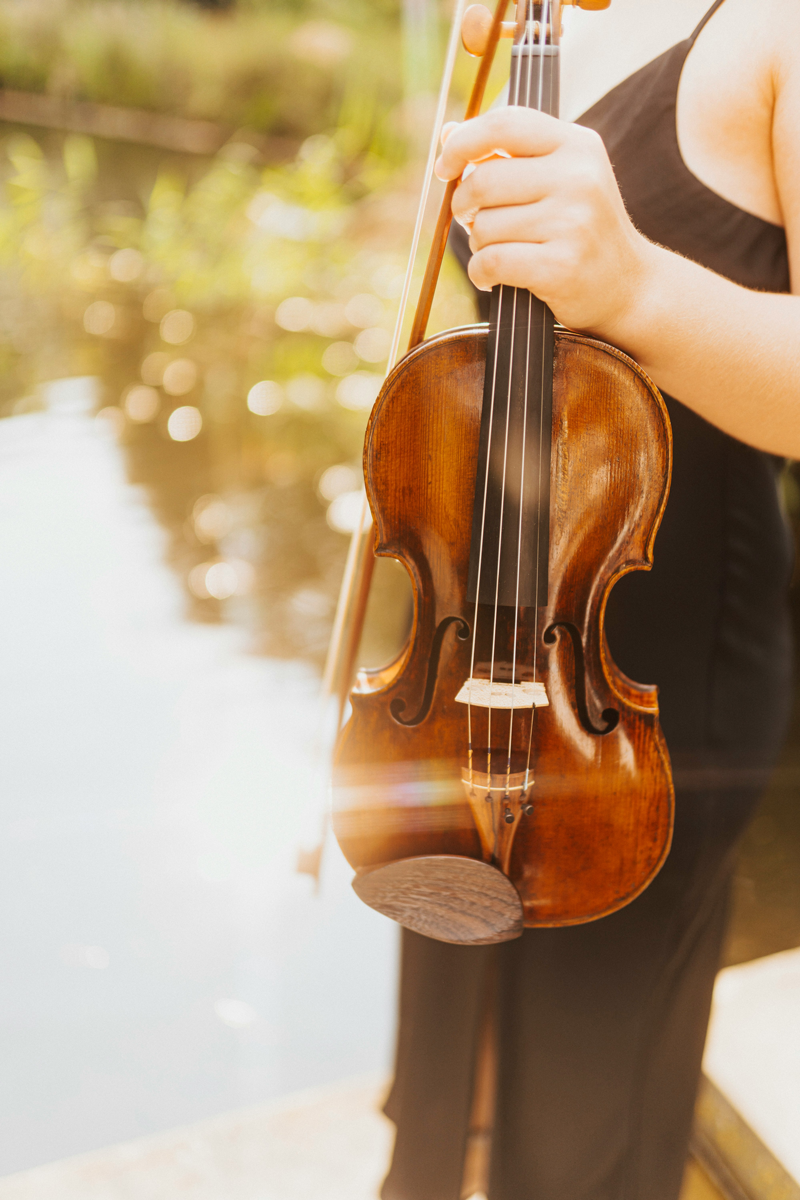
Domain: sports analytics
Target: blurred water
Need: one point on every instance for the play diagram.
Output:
(161, 959)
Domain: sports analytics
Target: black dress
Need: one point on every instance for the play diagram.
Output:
(602, 1025)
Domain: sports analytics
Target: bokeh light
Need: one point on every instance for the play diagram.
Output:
(294, 314)
(336, 480)
(211, 518)
(99, 318)
(344, 513)
(265, 398)
(306, 391)
(359, 391)
(364, 310)
(179, 376)
(184, 423)
(177, 326)
(141, 403)
(372, 345)
(236, 1014)
(221, 579)
(125, 265)
(340, 358)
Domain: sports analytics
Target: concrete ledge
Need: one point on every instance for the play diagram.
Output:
(334, 1144)
(327, 1144)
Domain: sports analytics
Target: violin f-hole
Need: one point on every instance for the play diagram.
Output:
(398, 705)
(609, 716)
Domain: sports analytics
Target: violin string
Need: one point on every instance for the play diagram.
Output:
(480, 544)
(500, 537)
(542, 37)
(529, 38)
(470, 750)
(541, 515)
(517, 88)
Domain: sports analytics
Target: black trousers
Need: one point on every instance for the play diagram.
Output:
(601, 1034)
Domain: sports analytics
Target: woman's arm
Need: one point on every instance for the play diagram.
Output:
(551, 219)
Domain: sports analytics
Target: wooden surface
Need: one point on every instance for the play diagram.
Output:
(698, 1186)
(602, 801)
(732, 1155)
(752, 1055)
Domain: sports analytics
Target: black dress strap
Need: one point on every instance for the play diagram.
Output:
(717, 4)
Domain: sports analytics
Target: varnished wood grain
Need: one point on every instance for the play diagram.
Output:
(447, 897)
(602, 802)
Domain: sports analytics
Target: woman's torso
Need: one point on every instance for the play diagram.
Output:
(709, 624)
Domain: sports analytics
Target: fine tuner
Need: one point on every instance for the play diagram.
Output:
(477, 23)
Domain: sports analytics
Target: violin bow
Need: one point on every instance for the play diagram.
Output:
(354, 594)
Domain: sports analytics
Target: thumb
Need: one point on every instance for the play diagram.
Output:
(448, 128)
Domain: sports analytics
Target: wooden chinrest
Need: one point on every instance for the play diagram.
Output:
(448, 897)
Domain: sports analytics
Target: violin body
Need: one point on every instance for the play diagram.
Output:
(503, 772)
(591, 824)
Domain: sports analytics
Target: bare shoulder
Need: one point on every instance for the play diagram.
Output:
(751, 27)
(763, 40)
(734, 52)
(784, 36)
(783, 17)
(786, 121)
(730, 92)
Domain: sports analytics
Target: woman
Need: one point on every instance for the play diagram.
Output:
(665, 222)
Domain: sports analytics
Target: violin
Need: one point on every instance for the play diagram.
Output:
(503, 772)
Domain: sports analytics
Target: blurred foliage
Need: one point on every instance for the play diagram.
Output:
(183, 285)
(281, 68)
(184, 297)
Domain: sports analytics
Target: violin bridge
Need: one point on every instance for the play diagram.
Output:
(495, 693)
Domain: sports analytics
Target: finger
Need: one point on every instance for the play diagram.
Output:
(501, 182)
(516, 264)
(520, 223)
(520, 132)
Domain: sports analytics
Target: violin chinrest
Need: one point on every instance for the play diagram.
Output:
(448, 897)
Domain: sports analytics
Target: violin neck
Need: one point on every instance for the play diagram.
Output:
(534, 80)
(511, 514)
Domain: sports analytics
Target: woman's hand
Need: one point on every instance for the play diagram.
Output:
(548, 218)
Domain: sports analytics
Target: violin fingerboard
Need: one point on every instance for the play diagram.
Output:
(510, 545)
